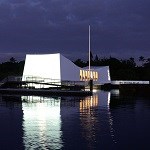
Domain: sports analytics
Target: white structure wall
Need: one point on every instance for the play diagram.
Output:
(45, 66)
(69, 71)
(103, 74)
(58, 68)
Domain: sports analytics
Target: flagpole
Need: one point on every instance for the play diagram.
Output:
(90, 79)
(89, 53)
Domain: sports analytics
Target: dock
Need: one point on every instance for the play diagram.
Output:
(48, 87)
(46, 92)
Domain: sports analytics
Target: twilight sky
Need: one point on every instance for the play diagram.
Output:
(120, 28)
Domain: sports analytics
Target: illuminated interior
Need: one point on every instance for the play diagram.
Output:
(85, 75)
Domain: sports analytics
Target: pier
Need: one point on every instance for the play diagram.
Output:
(36, 86)
(45, 92)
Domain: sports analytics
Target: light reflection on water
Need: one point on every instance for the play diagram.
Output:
(105, 120)
(43, 118)
(89, 117)
(42, 123)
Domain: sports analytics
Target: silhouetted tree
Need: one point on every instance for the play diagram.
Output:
(132, 62)
(148, 60)
(96, 59)
(12, 60)
(91, 55)
(147, 63)
(141, 59)
(80, 63)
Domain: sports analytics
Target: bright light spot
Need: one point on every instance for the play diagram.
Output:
(42, 122)
(109, 94)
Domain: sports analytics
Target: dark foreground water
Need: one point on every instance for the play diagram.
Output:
(102, 121)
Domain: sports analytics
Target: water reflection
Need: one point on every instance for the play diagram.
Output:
(102, 121)
(60, 122)
(89, 116)
(42, 123)
(11, 115)
(88, 119)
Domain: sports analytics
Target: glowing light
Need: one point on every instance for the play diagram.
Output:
(85, 75)
(109, 94)
(42, 122)
(37, 65)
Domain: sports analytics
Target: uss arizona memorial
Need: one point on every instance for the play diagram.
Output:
(58, 68)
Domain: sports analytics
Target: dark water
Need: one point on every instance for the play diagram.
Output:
(102, 121)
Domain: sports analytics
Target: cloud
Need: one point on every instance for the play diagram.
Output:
(118, 27)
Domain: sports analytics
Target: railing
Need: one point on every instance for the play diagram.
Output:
(11, 78)
(54, 81)
(40, 79)
(39, 82)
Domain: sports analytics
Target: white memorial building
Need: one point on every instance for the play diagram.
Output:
(57, 68)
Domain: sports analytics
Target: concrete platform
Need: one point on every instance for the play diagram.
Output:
(46, 92)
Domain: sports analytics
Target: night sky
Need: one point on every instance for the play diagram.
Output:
(119, 28)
